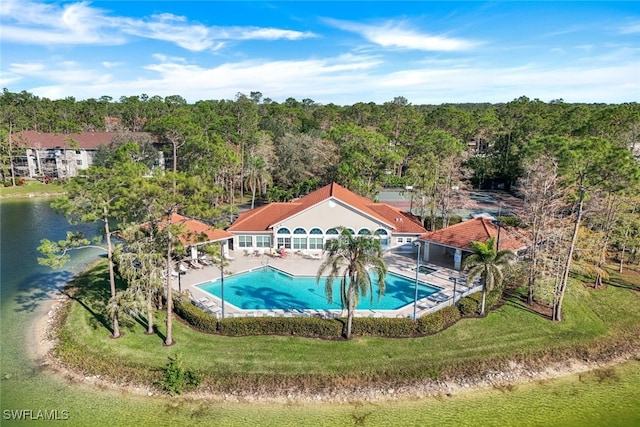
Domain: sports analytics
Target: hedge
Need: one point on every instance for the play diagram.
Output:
(438, 321)
(318, 327)
(383, 327)
(300, 326)
(196, 317)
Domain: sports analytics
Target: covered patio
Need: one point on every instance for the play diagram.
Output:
(449, 246)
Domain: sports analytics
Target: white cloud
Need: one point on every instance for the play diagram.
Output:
(28, 22)
(630, 28)
(62, 73)
(394, 35)
(43, 24)
(254, 33)
(346, 79)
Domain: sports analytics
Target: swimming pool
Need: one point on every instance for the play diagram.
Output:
(267, 288)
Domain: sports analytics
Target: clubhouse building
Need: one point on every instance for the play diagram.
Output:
(305, 224)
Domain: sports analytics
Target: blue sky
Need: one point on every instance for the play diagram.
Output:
(331, 52)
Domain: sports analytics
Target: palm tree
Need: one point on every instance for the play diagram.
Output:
(487, 263)
(348, 258)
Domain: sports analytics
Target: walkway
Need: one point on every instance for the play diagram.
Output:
(402, 264)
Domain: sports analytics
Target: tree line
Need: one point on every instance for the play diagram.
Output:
(573, 164)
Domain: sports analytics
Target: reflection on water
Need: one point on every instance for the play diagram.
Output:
(24, 284)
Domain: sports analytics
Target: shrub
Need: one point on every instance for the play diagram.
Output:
(469, 306)
(300, 326)
(455, 219)
(176, 378)
(450, 315)
(493, 297)
(512, 221)
(435, 322)
(194, 316)
(383, 327)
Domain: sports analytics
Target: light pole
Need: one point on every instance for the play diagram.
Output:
(455, 284)
(409, 188)
(222, 277)
(180, 274)
(415, 296)
(499, 224)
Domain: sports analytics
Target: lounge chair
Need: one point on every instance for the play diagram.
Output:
(205, 261)
(210, 304)
(194, 264)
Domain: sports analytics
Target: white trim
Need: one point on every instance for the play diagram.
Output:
(340, 202)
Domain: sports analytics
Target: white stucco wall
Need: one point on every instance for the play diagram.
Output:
(330, 214)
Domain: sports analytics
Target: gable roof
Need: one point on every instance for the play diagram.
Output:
(474, 230)
(263, 218)
(85, 140)
(197, 232)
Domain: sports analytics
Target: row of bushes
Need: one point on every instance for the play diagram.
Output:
(316, 327)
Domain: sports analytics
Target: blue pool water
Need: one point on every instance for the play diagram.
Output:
(267, 288)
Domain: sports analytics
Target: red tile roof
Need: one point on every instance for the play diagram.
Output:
(474, 230)
(86, 140)
(197, 232)
(263, 218)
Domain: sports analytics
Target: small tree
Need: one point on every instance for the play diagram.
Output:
(487, 263)
(178, 379)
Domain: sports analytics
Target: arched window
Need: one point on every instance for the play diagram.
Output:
(351, 231)
(332, 231)
(299, 230)
(364, 232)
(383, 235)
(284, 238)
(315, 230)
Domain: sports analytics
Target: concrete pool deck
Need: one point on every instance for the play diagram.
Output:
(297, 265)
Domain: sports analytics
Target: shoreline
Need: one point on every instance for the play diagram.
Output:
(41, 341)
(30, 195)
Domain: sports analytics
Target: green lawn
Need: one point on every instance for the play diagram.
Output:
(31, 188)
(594, 321)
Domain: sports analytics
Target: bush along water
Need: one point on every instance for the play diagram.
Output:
(177, 379)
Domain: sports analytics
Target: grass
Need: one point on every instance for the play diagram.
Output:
(601, 398)
(594, 322)
(31, 188)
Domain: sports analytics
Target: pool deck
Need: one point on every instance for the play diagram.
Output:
(295, 264)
